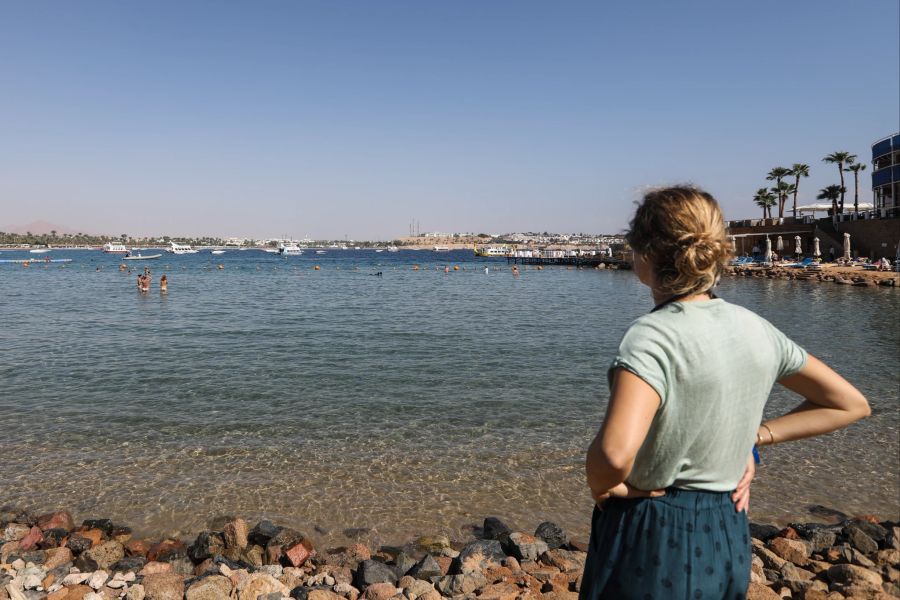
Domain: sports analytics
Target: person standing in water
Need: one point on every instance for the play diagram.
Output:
(670, 468)
(163, 285)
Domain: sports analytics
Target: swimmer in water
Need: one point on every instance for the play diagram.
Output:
(486, 270)
(163, 285)
(515, 271)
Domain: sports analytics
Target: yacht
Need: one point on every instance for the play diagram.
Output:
(493, 251)
(441, 248)
(41, 250)
(392, 249)
(290, 249)
(181, 249)
(111, 248)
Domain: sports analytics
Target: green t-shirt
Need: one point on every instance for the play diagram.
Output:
(713, 365)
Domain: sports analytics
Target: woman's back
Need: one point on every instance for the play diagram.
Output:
(713, 365)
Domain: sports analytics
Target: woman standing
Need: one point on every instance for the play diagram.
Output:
(670, 468)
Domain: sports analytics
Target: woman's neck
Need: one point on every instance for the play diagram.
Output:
(659, 297)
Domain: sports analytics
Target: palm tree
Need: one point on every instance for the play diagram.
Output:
(765, 200)
(776, 175)
(832, 192)
(782, 191)
(856, 168)
(840, 159)
(798, 170)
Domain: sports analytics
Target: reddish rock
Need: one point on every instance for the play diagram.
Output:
(7, 549)
(60, 519)
(496, 574)
(155, 568)
(298, 553)
(851, 575)
(166, 549)
(499, 591)
(758, 591)
(164, 586)
(444, 563)
(137, 548)
(578, 545)
(381, 591)
(235, 532)
(57, 557)
(790, 533)
(59, 594)
(793, 551)
(31, 540)
(95, 535)
(77, 592)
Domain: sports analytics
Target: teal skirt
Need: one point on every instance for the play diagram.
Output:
(687, 544)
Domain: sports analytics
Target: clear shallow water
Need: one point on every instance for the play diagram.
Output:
(415, 402)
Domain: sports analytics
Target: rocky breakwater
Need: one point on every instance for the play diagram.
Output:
(857, 558)
(50, 557)
(836, 275)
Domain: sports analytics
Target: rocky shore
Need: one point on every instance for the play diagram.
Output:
(828, 273)
(51, 557)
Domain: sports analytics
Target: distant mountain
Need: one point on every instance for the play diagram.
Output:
(39, 227)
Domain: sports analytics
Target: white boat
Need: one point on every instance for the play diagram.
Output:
(41, 250)
(181, 249)
(141, 256)
(111, 248)
(441, 248)
(289, 250)
(218, 252)
(270, 250)
(320, 252)
(379, 250)
(393, 249)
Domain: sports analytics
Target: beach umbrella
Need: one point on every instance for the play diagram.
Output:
(816, 252)
(768, 256)
(798, 250)
(779, 245)
(846, 246)
(733, 243)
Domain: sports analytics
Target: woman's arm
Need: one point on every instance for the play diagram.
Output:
(831, 403)
(610, 457)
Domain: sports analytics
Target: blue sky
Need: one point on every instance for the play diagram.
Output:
(341, 118)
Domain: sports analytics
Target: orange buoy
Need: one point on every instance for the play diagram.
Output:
(456, 267)
(316, 268)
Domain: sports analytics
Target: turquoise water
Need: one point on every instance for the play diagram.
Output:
(412, 402)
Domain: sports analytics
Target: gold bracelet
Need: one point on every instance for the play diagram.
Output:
(771, 434)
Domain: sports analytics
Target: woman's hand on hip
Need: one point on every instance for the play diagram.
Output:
(741, 494)
(625, 490)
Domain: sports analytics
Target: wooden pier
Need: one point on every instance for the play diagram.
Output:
(583, 262)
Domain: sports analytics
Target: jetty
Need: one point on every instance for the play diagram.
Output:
(584, 261)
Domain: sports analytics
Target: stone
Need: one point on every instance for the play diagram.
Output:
(213, 587)
(15, 532)
(858, 558)
(31, 539)
(57, 557)
(135, 592)
(85, 564)
(78, 544)
(792, 571)
(164, 586)
(794, 551)
(284, 539)
(499, 591)
(465, 583)
(75, 592)
(106, 554)
(870, 526)
(54, 538)
(182, 566)
(478, 555)
(121, 534)
(155, 568)
(552, 534)
(98, 579)
(167, 550)
(129, 563)
(380, 591)
(207, 545)
(136, 548)
(322, 594)
(852, 575)
(426, 568)
(769, 559)
(860, 540)
(893, 538)
(371, 571)
(565, 560)
(261, 533)
(403, 563)
(757, 591)
(60, 519)
(493, 528)
(763, 532)
(236, 532)
(253, 555)
(95, 535)
(297, 553)
(523, 546)
(804, 587)
(259, 583)
(104, 525)
(433, 544)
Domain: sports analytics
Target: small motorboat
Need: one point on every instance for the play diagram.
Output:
(320, 251)
(41, 250)
(141, 256)
(218, 251)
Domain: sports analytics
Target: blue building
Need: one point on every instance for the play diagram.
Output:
(886, 172)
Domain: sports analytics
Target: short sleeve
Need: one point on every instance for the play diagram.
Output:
(643, 352)
(789, 356)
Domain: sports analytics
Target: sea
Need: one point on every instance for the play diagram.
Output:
(397, 394)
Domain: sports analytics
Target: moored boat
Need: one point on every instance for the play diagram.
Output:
(141, 256)
(290, 249)
(181, 249)
(111, 248)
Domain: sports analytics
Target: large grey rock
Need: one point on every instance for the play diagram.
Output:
(493, 528)
(372, 571)
(523, 546)
(207, 545)
(860, 540)
(479, 555)
(426, 568)
(554, 535)
(213, 587)
(465, 583)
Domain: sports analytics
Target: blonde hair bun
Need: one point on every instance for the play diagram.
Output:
(681, 232)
